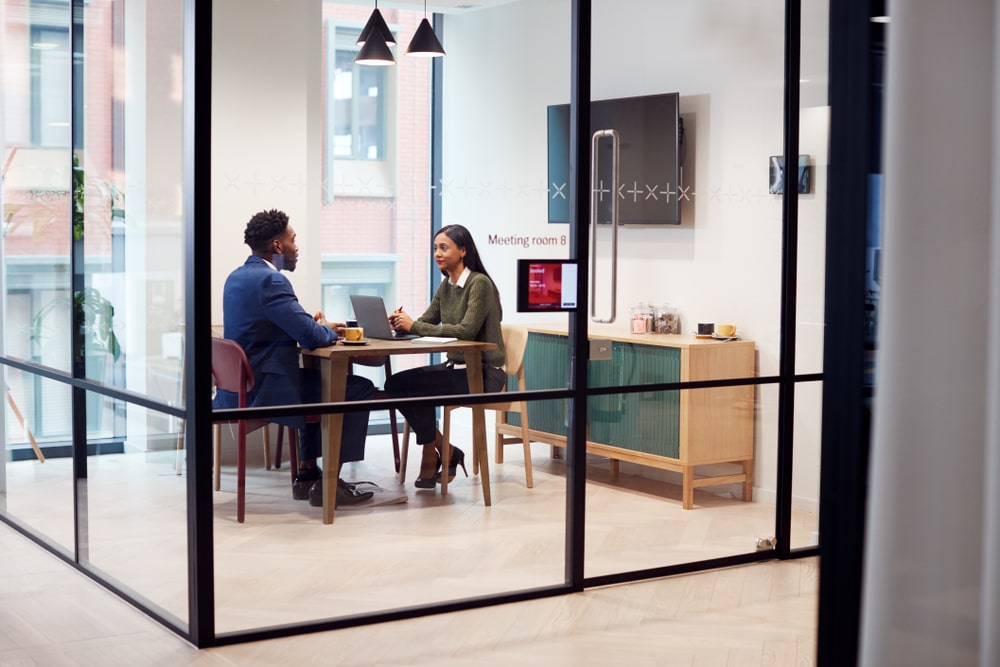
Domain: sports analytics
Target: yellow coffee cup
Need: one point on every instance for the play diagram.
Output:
(354, 334)
(725, 329)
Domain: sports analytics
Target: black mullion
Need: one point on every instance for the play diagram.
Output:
(578, 347)
(789, 278)
(437, 152)
(845, 436)
(197, 110)
(77, 268)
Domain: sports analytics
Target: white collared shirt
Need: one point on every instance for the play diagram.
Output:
(268, 262)
(462, 278)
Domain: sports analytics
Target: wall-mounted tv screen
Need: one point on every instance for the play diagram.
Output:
(650, 134)
(546, 285)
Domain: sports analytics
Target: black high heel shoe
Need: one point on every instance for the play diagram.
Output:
(429, 482)
(457, 459)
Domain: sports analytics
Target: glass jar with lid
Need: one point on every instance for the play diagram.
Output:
(641, 319)
(665, 320)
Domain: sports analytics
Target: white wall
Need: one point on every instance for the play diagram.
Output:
(266, 129)
(506, 65)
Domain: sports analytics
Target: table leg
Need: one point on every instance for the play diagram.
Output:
(474, 373)
(334, 373)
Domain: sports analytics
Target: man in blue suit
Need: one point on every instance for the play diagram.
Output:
(261, 313)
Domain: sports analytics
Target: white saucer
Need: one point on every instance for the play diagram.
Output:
(718, 337)
(364, 341)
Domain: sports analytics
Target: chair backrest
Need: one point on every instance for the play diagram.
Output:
(231, 368)
(515, 340)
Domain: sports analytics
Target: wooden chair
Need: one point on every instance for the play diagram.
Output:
(231, 371)
(515, 340)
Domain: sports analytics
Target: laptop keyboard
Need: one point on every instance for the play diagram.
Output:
(402, 335)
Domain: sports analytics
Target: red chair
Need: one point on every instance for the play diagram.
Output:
(231, 371)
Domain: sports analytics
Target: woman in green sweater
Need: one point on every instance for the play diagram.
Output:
(467, 306)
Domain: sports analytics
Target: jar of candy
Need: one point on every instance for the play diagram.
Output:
(665, 319)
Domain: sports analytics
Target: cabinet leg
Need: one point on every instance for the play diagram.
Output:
(615, 469)
(748, 482)
(687, 489)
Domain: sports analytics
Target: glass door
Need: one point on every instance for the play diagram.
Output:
(695, 306)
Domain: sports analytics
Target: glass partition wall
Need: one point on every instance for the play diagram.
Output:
(653, 451)
(93, 289)
(735, 269)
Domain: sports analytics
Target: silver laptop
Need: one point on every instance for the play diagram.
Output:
(372, 316)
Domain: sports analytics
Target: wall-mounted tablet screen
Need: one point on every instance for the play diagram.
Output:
(546, 285)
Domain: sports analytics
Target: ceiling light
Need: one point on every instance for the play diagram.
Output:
(376, 25)
(375, 52)
(425, 42)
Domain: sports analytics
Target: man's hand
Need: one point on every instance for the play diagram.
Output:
(336, 326)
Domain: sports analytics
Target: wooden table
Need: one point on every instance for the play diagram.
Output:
(334, 361)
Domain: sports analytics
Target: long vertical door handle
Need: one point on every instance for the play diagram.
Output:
(595, 194)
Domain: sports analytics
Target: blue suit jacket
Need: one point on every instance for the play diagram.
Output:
(262, 313)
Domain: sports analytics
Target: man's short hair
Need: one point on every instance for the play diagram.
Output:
(264, 227)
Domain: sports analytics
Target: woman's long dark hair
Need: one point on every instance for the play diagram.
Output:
(462, 238)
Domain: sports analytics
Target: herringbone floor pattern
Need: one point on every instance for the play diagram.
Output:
(283, 566)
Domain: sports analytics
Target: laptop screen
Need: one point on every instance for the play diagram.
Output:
(372, 316)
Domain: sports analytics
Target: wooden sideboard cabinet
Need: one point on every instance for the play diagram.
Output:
(671, 430)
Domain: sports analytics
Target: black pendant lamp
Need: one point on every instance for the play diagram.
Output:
(375, 52)
(425, 42)
(375, 40)
(377, 25)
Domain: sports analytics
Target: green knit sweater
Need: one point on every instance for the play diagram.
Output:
(466, 313)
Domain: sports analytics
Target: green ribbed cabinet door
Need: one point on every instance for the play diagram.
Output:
(544, 368)
(645, 422)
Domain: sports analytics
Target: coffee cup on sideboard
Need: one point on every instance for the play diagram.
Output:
(726, 330)
(706, 328)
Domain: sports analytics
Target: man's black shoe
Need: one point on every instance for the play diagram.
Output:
(347, 494)
(304, 481)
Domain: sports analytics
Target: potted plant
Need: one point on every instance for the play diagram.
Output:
(91, 310)
(95, 315)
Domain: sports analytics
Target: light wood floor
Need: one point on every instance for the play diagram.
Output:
(284, 566)
(760, 614)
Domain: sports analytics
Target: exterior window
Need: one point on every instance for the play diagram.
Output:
(357, 103)
(359, 156)
(50, 87)
(344, 275)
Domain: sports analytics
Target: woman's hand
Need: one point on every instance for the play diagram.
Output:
(400, 320)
